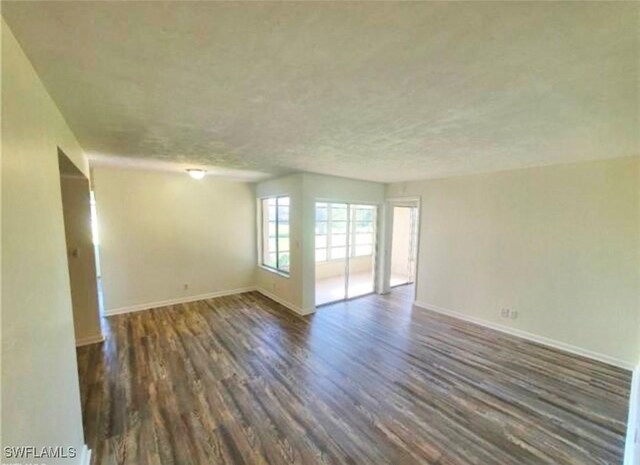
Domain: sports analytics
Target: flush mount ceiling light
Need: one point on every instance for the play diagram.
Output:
(196, 174)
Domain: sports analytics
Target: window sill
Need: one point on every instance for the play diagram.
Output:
(282, 274)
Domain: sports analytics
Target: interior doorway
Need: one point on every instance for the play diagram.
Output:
(404, 245)
(81, 261)
(345, 245)
(96, 249)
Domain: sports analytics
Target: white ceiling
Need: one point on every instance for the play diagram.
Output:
(378, 91)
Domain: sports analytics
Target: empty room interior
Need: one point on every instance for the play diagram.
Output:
(337, 233)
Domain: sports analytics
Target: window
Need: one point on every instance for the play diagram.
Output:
(363, 230)
(331, 231)
(275, 233)
(341, 228)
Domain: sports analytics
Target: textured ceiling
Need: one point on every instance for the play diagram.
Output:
(379, 91)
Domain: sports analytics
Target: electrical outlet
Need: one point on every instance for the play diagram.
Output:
(513, 314)
(504, 313)
(185, 287)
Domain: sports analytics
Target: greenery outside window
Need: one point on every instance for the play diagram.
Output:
(275, 233)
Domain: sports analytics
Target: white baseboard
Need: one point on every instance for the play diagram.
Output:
(632, 448)
(180, 300)
(289, 305)
(85, 456)
(165, 303)
(530, 336)
(85, 341)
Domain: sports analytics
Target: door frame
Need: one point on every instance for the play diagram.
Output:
(83, 286)
(391, 202)
(378, 224)
(414, 221)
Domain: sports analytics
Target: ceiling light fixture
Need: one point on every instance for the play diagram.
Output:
(196, 174)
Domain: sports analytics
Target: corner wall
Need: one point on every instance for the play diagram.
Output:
(559, 244)
(297, 291)
(40, 389)
(160, 231)
(285, 289)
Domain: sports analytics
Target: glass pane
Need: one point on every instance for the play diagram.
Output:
(361, 272)
(267, 246)
(283, 244)
(338, 240)
(339, 227)
(364, 226)
(363, 250)
(364, 214)
(321, 205)
(361, 269)
(284, 261)
(321, 241)
(364, 239)
(281, 225)
(339, 214)
(321, 227)
(338, 252)
(283, 214)
(272, 247)
(321, 214)
(321, 255)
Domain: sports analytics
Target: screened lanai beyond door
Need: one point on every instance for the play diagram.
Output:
(344, 251)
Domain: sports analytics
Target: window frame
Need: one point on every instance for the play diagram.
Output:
(262, 256)
(350, 234)
(354, 231)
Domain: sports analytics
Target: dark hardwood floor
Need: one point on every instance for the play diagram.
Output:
(241, 380)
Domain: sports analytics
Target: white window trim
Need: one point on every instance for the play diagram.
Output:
(260, 220)
(352, 233)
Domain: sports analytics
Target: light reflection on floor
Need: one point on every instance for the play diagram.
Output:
(332, 289)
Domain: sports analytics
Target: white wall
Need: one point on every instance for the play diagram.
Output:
(40, 390)
(161, 230)
(559, 244)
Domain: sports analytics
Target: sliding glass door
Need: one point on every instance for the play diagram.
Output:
(331, 251)
(344, 251)
(361, 267)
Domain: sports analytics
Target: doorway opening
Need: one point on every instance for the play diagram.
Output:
(96, 248)
(81, 257)
(345, 245)
(404, 245)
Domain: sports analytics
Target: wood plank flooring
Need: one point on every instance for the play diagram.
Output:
(241, 380)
